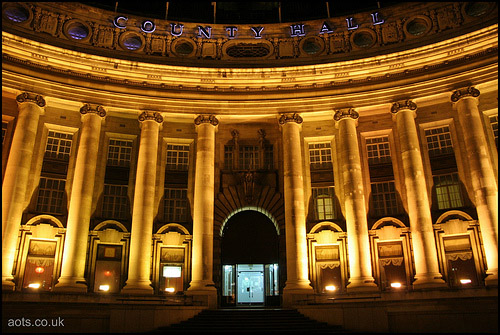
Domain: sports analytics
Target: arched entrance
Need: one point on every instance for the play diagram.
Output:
(249, 258)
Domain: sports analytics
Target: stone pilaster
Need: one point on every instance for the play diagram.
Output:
(203, 214)
(80, 206)
(139, 270)
(422, 233)
(481, 173)
(360, 267)
(16, 177)
(297, 282)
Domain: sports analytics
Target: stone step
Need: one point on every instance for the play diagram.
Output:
(250, 321)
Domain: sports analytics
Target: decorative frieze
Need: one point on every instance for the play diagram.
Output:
(147, 115)
(31, 97)
(290, 117)
(345, 113)
(407, 104)
(465, 92)
(97, 109)
(206, 119)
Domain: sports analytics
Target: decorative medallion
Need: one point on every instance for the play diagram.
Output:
(408, 104)
(97, 109)
(155, 116)
(345, 113)
(465, 92)
(206, 119)
(31, 97)
(290, 117)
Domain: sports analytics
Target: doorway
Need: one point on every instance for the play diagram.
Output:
(249, 258)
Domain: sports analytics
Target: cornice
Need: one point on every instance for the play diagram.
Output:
(390, 32)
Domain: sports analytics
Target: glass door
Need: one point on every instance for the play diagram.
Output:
(250, 288)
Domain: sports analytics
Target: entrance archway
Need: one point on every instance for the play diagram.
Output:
(250, 260)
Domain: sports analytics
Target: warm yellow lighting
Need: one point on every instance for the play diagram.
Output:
(104, 288)
(34, 285)
(465, 281)
(396, 285)
(170, 289)
(330, 288)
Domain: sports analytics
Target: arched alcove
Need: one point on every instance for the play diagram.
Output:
(249, 237)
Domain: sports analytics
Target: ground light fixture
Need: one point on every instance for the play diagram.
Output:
(104, 288)
(465, 281)
(396, 285)
(34, 285)
(330, 288)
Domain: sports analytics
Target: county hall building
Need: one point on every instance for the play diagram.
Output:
(343, 164)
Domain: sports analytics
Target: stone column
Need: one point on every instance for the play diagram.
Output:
(202, 283)
(203, 213)
(139, 269)
(297, 279)
(481, 173)
(80, 206)
(422, 233)
(16, 177)
(360, 267)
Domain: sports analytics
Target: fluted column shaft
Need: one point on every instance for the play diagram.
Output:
(80, 206)
(481, 174)
(16, 177)
(422, 233)
(295, 218)
(360, 267)
(139, 270)
(203, 214)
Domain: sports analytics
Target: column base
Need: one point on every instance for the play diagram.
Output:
(362, 284)
(296, 292)
(137, 287)
(491, 279)
(71, 285)
(205, 295)
(431, 280)
(8, 284)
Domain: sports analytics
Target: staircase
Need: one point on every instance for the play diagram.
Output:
(250, 321)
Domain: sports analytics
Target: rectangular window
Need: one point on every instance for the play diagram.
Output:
(51, 195)
(58, 145)
(324, 202)
(108, 268)
(119, 152)
(460, 262)
(494, 127)
(384, 199)
(175, 205)
(177, 157)
(114, 203)
(448, 191)
(378, 150)
(268, 157)
(249, 157)
(439, 141)
(228, 157)
(320, 155)
(39, 270)
(392, 266)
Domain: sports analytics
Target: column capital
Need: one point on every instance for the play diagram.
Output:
(147, 115)
(91, 108)
(470, 91)
(290, 117)
(203, 118)
(345, 113)
(31, 97)
(402, 105)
